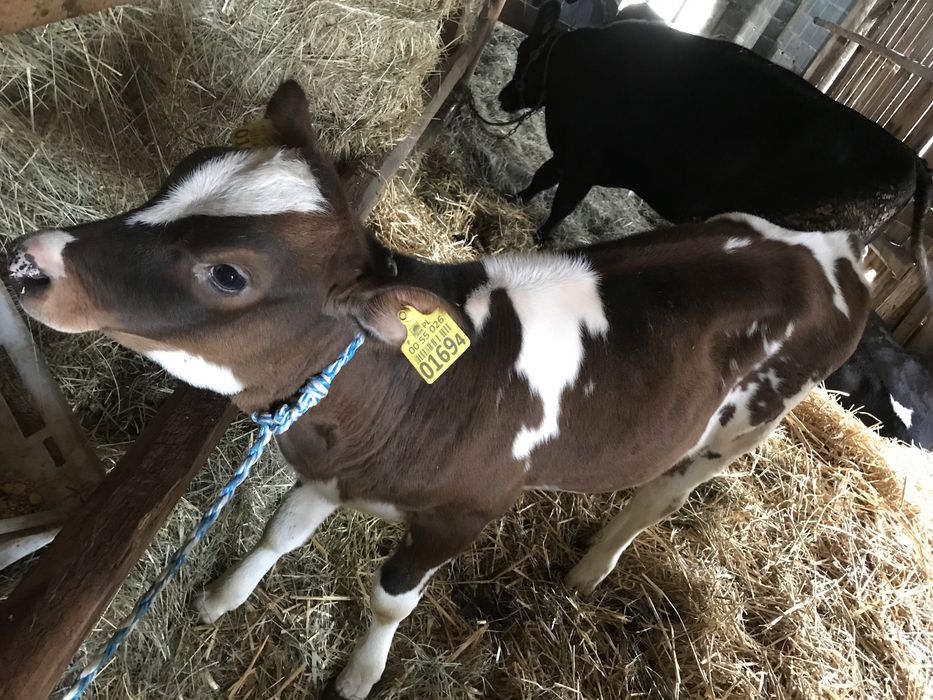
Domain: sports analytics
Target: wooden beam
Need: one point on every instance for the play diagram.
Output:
(925, 72)
(51, 611)
(22, 14)
(837, 52)
(367, 188)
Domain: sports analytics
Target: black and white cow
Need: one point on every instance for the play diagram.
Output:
(890, 385)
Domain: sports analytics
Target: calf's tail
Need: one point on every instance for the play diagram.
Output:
(923, 197)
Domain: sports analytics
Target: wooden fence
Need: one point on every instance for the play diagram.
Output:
(879, 63)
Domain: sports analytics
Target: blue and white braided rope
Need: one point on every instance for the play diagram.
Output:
(270, 424)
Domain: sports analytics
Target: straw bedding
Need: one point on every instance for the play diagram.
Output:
(803, 573)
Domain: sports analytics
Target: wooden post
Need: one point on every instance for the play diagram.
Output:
(366, 189)
(925, 72)
(22, 14)
(51, 611)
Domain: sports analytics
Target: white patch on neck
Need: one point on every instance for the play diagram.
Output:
(826, 248)
(556, 298)
(258, 182)
(197, 371)
(905, 414)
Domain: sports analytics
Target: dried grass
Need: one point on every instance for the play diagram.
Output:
(803, 573)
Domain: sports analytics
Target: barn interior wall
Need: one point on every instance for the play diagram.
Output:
(780, 30)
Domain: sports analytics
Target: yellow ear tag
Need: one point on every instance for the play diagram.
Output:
(434, 341)
(257, 133)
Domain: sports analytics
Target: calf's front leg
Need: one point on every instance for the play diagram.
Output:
(432, 539)
(299, 514)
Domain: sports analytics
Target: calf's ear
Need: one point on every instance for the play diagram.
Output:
(290, 115)
(291, 118)
(378, 312)
(548, 14)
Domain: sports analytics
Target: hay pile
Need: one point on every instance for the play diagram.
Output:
(801, 574)
(804, 573)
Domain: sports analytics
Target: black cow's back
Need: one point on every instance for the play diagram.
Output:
(699, 126)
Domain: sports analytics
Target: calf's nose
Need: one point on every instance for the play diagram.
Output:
(40, 257)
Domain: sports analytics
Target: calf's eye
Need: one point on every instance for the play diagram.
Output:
(227, 278)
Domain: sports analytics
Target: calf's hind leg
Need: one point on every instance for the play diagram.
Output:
(432, 539)
(299, 514)
(656, 500)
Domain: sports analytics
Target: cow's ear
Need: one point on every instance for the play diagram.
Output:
(291, 118)
(379, 312)
(290, 115)
(547, 18)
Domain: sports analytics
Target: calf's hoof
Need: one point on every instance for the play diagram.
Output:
(210, 607)
(587, 574)
(346, 689)
(329, 692)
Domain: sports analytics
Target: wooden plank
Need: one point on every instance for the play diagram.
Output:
(861, 62)
(868, 63)
(903, 124)
(881, 287)
(895, 305)
(918, 315)
(367, 189)
(897, 258)
(925, 72)
(22, 14)
(891, 100)
(922, 340)
(837, 51)
(51, 611)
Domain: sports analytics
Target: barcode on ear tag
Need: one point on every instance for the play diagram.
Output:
(433, 343)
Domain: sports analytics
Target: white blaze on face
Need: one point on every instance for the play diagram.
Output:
(258, 182)
(826, 247)
(197, 371)
(556, 299)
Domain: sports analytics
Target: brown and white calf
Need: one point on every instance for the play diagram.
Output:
(647, 363)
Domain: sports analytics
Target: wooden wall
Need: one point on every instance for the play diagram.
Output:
(896, 91)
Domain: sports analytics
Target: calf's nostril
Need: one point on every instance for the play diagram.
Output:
(23, 266)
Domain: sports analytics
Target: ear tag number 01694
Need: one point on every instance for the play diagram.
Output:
(258, 133)
(433, 343)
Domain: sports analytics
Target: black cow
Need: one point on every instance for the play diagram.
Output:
(699, 126)
(641, 10)
(890, 384)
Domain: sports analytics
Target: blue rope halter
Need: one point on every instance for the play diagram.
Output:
(270, 424)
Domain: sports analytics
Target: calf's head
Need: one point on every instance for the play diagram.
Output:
(245, 273)
(526, 88)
